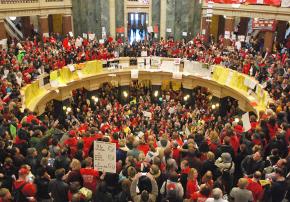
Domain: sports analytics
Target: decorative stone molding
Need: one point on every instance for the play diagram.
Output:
(34, 7)
(251, 11)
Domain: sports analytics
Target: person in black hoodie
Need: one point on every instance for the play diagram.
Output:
(42, 182)
(225, 148)
(279, 186)
(124, 195)
(102, 194)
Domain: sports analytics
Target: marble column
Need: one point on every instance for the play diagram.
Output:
(2, 30)
(43, 24)
(112, 11)
(268, 40)
(205, 28)
(229, 28)
(66, 24)
(163, 5)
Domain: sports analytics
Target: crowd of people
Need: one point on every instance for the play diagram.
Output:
(182, 151)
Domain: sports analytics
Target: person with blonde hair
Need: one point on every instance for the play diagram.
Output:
(207, 179)
(192, 184)
(240, 193)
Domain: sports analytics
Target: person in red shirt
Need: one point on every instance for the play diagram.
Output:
(202, 195)
(90, 176)
(192, 184)
(27, 189)
(255, 187)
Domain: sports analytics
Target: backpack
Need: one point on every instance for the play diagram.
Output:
(171, 191)
(226, 172)
(18, 194)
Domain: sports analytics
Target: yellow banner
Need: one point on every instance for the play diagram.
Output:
(93, 67)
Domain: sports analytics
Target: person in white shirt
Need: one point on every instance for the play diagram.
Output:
(217, 196)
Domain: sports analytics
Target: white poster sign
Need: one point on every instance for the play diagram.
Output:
(196, 68)
(71, 67)
(144, 54)
(169, 30)
(177, 61)
(71, 34)
(246, 122)
(78, 42)
(155, 61)
(85, 35)
(134, 73)
(150, 29)
(105, 156)
(250, 82)
(169, 66)
(184, 33)
(92, 36)
(147, 114)
(45, 34)
(285, 3)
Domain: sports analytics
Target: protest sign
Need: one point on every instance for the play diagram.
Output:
(246, 122)
(105, 156)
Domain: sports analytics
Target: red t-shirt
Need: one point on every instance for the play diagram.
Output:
(191, 188)
(28, 190)
(256, 189)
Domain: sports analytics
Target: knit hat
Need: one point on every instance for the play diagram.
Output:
(226, 157)
(23, 171)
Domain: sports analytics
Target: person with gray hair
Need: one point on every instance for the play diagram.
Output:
(217, 196)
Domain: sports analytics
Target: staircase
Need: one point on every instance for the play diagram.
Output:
(12, 30)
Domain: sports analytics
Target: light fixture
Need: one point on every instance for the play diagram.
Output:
(185, 98)
(94, 98)
(217, 105)
(125, 94)
(237, 120)
(156, 93)
(64, 108)
(68, 109)
(213, 106)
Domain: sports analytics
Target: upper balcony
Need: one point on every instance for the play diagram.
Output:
(251, 11)
(34, 7)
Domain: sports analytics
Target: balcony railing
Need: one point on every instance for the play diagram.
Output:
(34, 7)
(138, 2)
(18, 1)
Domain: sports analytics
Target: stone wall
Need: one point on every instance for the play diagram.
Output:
(181, 16)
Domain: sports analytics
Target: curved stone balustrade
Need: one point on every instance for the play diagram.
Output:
(223, 82)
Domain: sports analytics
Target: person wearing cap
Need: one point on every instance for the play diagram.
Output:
(26, 188)
(226, 167)
(217, 196)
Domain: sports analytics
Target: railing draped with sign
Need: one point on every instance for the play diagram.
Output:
(234, 83)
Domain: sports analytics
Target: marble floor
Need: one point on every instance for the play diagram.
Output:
(136, 36)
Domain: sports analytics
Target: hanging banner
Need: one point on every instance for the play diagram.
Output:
(263, 24)
(285, 3)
